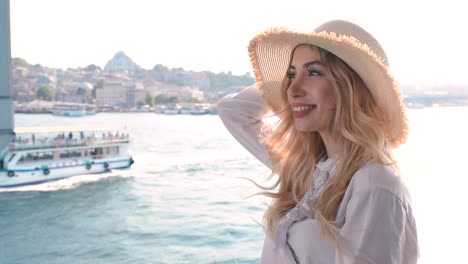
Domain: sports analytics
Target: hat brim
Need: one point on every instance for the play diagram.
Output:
(270, 54)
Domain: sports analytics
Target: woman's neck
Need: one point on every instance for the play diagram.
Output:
(330, 144)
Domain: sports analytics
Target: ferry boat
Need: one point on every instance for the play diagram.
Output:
(38, 155)
(35, 155)
(68, 109)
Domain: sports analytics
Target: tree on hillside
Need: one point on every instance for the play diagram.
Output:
(160, 68)
(226, 80)
(99, 84)
(81, 91)
(44, 93)
(140, 104)
(160, 72)
(20, 62)
(191, 99)
(149, 100)
(164, 99)
(180, 69)
(92, 68)
(246, 79)
(37, 67)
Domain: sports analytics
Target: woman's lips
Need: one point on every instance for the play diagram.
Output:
(302, 110)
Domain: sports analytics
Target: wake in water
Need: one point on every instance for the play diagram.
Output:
(65, 184)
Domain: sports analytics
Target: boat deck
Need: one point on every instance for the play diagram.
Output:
(64, 143)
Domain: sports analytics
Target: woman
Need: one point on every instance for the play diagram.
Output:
(338, 197)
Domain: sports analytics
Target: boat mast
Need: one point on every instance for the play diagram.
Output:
(6, 105)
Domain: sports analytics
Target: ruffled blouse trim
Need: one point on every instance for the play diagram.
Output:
(302, 210)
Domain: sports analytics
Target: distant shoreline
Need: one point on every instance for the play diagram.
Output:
(113, 112)
(409, 106)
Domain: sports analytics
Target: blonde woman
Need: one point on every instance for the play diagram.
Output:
(338, 197)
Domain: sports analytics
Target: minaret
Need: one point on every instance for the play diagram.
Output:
(6, 104)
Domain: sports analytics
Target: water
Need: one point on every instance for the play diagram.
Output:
(183, 201)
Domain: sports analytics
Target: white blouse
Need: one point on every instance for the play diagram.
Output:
(375, 219)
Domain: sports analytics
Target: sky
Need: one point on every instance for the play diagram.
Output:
(426, 41)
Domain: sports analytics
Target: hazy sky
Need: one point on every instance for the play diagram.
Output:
(426, 41)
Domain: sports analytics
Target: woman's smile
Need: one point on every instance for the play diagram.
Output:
(302, 110)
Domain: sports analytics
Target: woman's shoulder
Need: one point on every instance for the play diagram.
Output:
(378, 177)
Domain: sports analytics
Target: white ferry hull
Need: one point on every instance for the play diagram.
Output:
(69, 113)
(20, 177)
(171, 111)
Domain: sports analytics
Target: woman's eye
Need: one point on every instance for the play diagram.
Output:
(313, 72)
(291, 75)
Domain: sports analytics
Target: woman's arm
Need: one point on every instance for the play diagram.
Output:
(242, 114)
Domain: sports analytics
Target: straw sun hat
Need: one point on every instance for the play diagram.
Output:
(270, 55)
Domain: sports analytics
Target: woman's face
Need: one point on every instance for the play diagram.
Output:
(310, 94)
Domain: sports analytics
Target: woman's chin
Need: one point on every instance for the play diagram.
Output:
(305, 128)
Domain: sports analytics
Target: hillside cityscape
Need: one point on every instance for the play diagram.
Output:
(122, 85)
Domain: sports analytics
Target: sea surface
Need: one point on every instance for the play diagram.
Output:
(185, 199)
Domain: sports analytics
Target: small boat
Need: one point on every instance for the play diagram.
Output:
(185, 110)
(188, 109)
(199, 110)
(40, 154)
(69, 109)
(90, 110)
(171, 109)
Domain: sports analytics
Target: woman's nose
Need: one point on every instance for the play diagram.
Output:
(295, 89)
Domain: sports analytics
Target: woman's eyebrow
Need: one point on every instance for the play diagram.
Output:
(307, 64)
(315, 62)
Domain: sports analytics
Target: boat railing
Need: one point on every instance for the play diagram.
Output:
(64, 143)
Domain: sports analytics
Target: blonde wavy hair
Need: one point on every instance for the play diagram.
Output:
(359, 135)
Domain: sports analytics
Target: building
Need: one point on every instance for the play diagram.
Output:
(121, 63)
(117, 93)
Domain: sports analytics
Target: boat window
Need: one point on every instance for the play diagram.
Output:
(28, 158)
(70, 154)
(113, 150)
(96, 151)
(45, 155)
